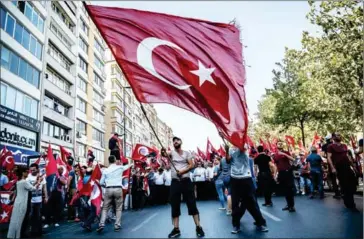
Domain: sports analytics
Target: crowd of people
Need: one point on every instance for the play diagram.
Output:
(235, 179)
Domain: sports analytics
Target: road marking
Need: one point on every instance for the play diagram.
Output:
(145, 222)
(270, 216)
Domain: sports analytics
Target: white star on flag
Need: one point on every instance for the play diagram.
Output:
(204, 73)
(3, 215)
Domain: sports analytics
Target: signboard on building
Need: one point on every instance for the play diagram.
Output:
(16, 118)
(11, 135)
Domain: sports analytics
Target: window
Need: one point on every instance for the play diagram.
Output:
(63, 16)
(130, 124)
(5, 57)
(82, 85)
(60, 34)
(2, 18)
(81, 150)
(98, 63)
(98, 81)
(99, 155)
(81, 105)
(29, 11)
(56, 105)
(99, 48)
(97, 135)
(58, 80)
(116, 86)
(82, 64)
(118, 116)
(81, 127)
(18, 101)
(53, 130)
(98, 116)
(20, 34)
(83, 45)
(98, 98)
(84, 27)
(117, 129)
(59, 57)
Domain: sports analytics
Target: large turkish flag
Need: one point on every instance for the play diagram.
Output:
(193, 64)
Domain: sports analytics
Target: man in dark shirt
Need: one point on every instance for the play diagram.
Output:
(331, 175)
(114, 146)
(265, 178)
(285, 176)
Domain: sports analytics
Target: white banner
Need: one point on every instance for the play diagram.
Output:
(12, 135)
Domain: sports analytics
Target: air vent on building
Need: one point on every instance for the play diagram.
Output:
(78, 134)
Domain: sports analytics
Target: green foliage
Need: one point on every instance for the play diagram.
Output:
(319, 88)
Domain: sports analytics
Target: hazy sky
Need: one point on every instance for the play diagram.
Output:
(267, 28)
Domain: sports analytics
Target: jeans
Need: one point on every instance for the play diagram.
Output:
(220, 189)
(243, 198)
(317, 181)
(305, 183)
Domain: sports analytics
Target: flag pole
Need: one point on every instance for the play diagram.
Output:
(155, 133)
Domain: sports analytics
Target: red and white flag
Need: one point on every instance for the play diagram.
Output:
(61, 163)
(222, 152)
(96, 197)
(209, 150)
(141, 152)
(5, 214)
(7, 159)
(201, 154)
(193, 64)
(290, 141)
(316, 140)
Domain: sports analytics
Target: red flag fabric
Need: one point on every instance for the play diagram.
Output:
(209, 150)
(201, 154)
(353, 142)
(60, 163)
(64, 155)
(10, 185)
(6, 211)
(141, 151)
(120, 144)
(5, 153)
(316, 140)
(96, 174)
(38, 161)
(51, 167)
(146, 186)
(250, 142)
(222, 152)
(274, 145)
(8, 162)
(193, 64)
(96, 197)
(290, 141)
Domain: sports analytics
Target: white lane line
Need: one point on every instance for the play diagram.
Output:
(270, 216)
(145, 222)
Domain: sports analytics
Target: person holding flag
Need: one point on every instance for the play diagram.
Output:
(111, 179)
(115, 146)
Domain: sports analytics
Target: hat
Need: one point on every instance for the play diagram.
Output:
(329, 136)
(176, 138)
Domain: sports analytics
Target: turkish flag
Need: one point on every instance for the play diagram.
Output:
(51, 167)
(316, 140)
(201, 154)
(290, 141)
(5, 213)
(250, 142)
(264, 144)
(193, 64)
(96, 197)
(6, 157)
(209, 149)
(60, 163)
(64, 156)
(10, 185)
(141, 152)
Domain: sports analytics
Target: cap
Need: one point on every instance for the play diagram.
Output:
(175, 138)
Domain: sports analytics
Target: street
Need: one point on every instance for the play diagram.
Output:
(316, 218)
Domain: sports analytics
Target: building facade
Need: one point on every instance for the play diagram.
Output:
(122, 104)
(52, 79)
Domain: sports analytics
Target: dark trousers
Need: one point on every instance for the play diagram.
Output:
(333, 178)
(35, 219)
(286, 182)
(152, 195)
(243, 198)
(138, 199)
(347, 180)
(265, 185)
(166, 194)
(201, 190)
(159, 194)
(55, 207)
(89, 214)
(186, 188)
(71, 209)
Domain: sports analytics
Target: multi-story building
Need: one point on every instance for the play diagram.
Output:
(52, 78)
(23, 40)
(121, 104)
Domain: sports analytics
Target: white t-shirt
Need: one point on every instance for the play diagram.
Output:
(210, 173)
(159, 179)
(37, 194)
(180, 162)
(200, 174)
(167, 178)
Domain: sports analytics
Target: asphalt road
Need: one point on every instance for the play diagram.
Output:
(316, 218)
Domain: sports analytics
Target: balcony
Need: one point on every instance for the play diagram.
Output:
(58, 141)
(55, 90)
(60, 69)
(56, 116)
(66, 50)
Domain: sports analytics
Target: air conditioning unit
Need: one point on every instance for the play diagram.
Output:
(62, 137)
(78, 134)
(67, 138)
(103, 108)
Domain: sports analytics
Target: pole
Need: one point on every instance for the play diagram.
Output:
(124, 124)
(155, 133)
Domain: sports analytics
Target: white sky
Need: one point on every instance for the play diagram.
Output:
(267, 28)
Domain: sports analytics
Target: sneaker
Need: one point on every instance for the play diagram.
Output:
(77, 219)
(235, 230)
(100, 229)
(222, 208)
(56, 225)
(200, 232)
(262, 228)
(45, 226)
(267, 204)
(292, 209)
(117, 229)
(174, 233)
(286, 208)
(228, 212)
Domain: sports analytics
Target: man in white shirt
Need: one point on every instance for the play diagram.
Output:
(181, 184)
(210, 185)
(167, 183)
(200, 180)
(159, 186)
(111, 179)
